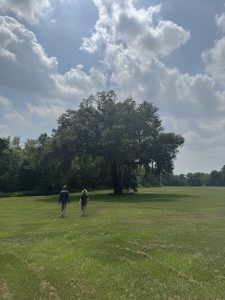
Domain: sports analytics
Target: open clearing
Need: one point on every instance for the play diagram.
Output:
(161, 243)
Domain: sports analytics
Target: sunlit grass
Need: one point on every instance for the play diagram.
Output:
(161, 243)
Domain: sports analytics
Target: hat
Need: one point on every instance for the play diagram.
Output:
(64, 187)
(84, 191)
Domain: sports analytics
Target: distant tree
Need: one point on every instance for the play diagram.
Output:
(10, 161)
(197, 179)
(174, 180)
(165, 150)
(38, 162)
(4, 144)
(222, 174)
(27, 176)
(215, 178)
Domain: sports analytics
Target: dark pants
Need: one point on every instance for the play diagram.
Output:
(63, 208)
(83, 206)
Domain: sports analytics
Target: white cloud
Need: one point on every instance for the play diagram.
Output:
(132, 42)
(30, 10)
(17, 118)
(29, 70)
(24, 63)
(216, 126)
(44, 111)
(214, 59)
(220, 22)
(77, 84)
(4, 130)
(5, 104)
(29, 73)
(134, 64)
(30, 123)
(181, 95)
(121, 23)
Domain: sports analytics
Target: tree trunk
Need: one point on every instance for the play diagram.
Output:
(116, 178)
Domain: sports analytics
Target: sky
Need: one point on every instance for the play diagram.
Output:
(54, 53)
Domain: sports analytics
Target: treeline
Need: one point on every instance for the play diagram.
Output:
(214, 178)
(104, 143)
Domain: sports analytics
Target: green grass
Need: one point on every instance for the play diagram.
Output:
(161, 243)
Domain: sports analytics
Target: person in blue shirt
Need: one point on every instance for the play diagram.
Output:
(83, 202)
(64, 198)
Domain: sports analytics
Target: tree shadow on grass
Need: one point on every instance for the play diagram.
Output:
(136, 197)
(125, 198)
(47, 198)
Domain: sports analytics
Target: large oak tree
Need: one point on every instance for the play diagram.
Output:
(120, 133)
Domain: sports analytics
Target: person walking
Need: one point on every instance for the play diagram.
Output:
(64, 198)
(83, 202)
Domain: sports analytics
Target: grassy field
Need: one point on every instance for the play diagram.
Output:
(161, 243)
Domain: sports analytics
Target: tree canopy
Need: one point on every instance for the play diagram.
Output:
(104, 142)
